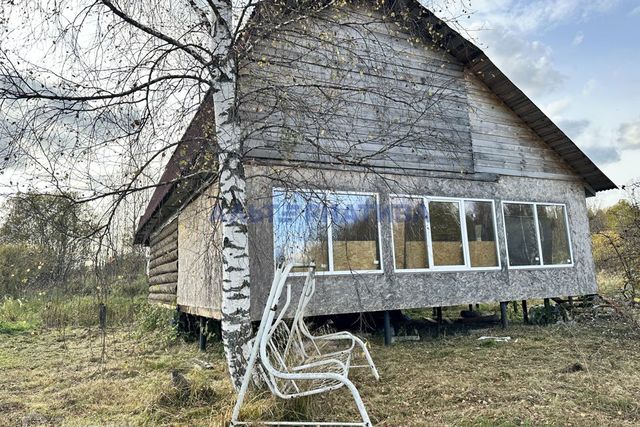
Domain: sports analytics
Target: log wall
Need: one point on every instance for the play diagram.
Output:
(163, 265)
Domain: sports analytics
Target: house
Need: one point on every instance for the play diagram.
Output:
(382, 145)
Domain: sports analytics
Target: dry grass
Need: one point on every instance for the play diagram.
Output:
(584, 373)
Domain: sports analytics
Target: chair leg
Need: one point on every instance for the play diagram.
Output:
(367, 356)
(359, 403)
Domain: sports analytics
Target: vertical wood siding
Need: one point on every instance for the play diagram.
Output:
(199, 256)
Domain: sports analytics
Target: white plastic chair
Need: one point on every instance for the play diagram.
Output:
(285, 366)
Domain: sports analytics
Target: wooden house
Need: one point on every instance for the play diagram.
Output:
(381, 144)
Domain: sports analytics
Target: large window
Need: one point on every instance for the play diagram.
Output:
(537, 234)
(337, 231)
(444, 234)
(481, 233)
(409, 234)
(554, 236)
(300, 229)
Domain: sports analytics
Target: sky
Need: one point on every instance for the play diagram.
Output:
(578, 60)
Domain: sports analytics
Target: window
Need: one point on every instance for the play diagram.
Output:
(522, 240)
(409, 234)
(430, 234)
(554, 236)
(337, 231)
(300, 229)
(537, 234)
(354, 220)
(481, 233)
(446, 233)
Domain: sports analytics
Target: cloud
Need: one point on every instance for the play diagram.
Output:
(635, 12)
(629, 135)
(589, 87)
(556, 108)
(574, 128)
(603, 155)
(535, 15)
(592, 140)
(578, 39)
(607, 148)
(528, 63)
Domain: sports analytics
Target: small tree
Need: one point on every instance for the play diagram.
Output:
(616, 234)
(52, 235)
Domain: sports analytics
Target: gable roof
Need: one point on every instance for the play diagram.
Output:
(183, 172)
(476, 61)
(439, 32)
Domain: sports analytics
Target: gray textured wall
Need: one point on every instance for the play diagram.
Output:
(389, 290)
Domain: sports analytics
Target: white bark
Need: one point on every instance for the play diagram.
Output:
(236, 324)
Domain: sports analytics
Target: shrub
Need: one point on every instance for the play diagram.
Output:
(158, 320)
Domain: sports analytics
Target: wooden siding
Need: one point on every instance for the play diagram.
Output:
(503, 143)
(163, 265)
(346, 88)
(199, 257)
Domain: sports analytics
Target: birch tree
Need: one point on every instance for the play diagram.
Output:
(94, 94)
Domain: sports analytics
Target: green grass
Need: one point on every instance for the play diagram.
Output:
(52, 311)
(15, 327)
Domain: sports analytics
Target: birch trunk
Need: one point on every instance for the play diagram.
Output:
(236, 324)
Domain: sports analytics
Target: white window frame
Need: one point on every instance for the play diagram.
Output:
(329, 193)
(542, 265)
(463, 226)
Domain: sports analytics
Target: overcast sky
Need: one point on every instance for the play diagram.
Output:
(579, 61)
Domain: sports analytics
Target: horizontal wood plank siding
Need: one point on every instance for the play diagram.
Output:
(503, 143)
(163, 265)
(346, 88)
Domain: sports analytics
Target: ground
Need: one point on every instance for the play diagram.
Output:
(576, 373)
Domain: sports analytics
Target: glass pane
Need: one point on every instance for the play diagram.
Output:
(409, 241)
(553, 235)
(481, 234)
(355, 233)
(300, 229)
(522, 242)
(446, 233)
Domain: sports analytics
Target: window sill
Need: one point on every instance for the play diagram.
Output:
(448, 270)
(339, 273)
(540, 267)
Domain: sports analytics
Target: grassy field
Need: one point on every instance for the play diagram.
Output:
(579, 373)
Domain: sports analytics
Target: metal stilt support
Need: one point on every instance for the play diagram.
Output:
(525, 312)
(503, 314)
(202, 335)
(387, 329)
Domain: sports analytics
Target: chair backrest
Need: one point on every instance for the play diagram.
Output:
(279, 344)
(308, 290)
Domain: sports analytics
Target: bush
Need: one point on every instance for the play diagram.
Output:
(155, 319)
(540, 315)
